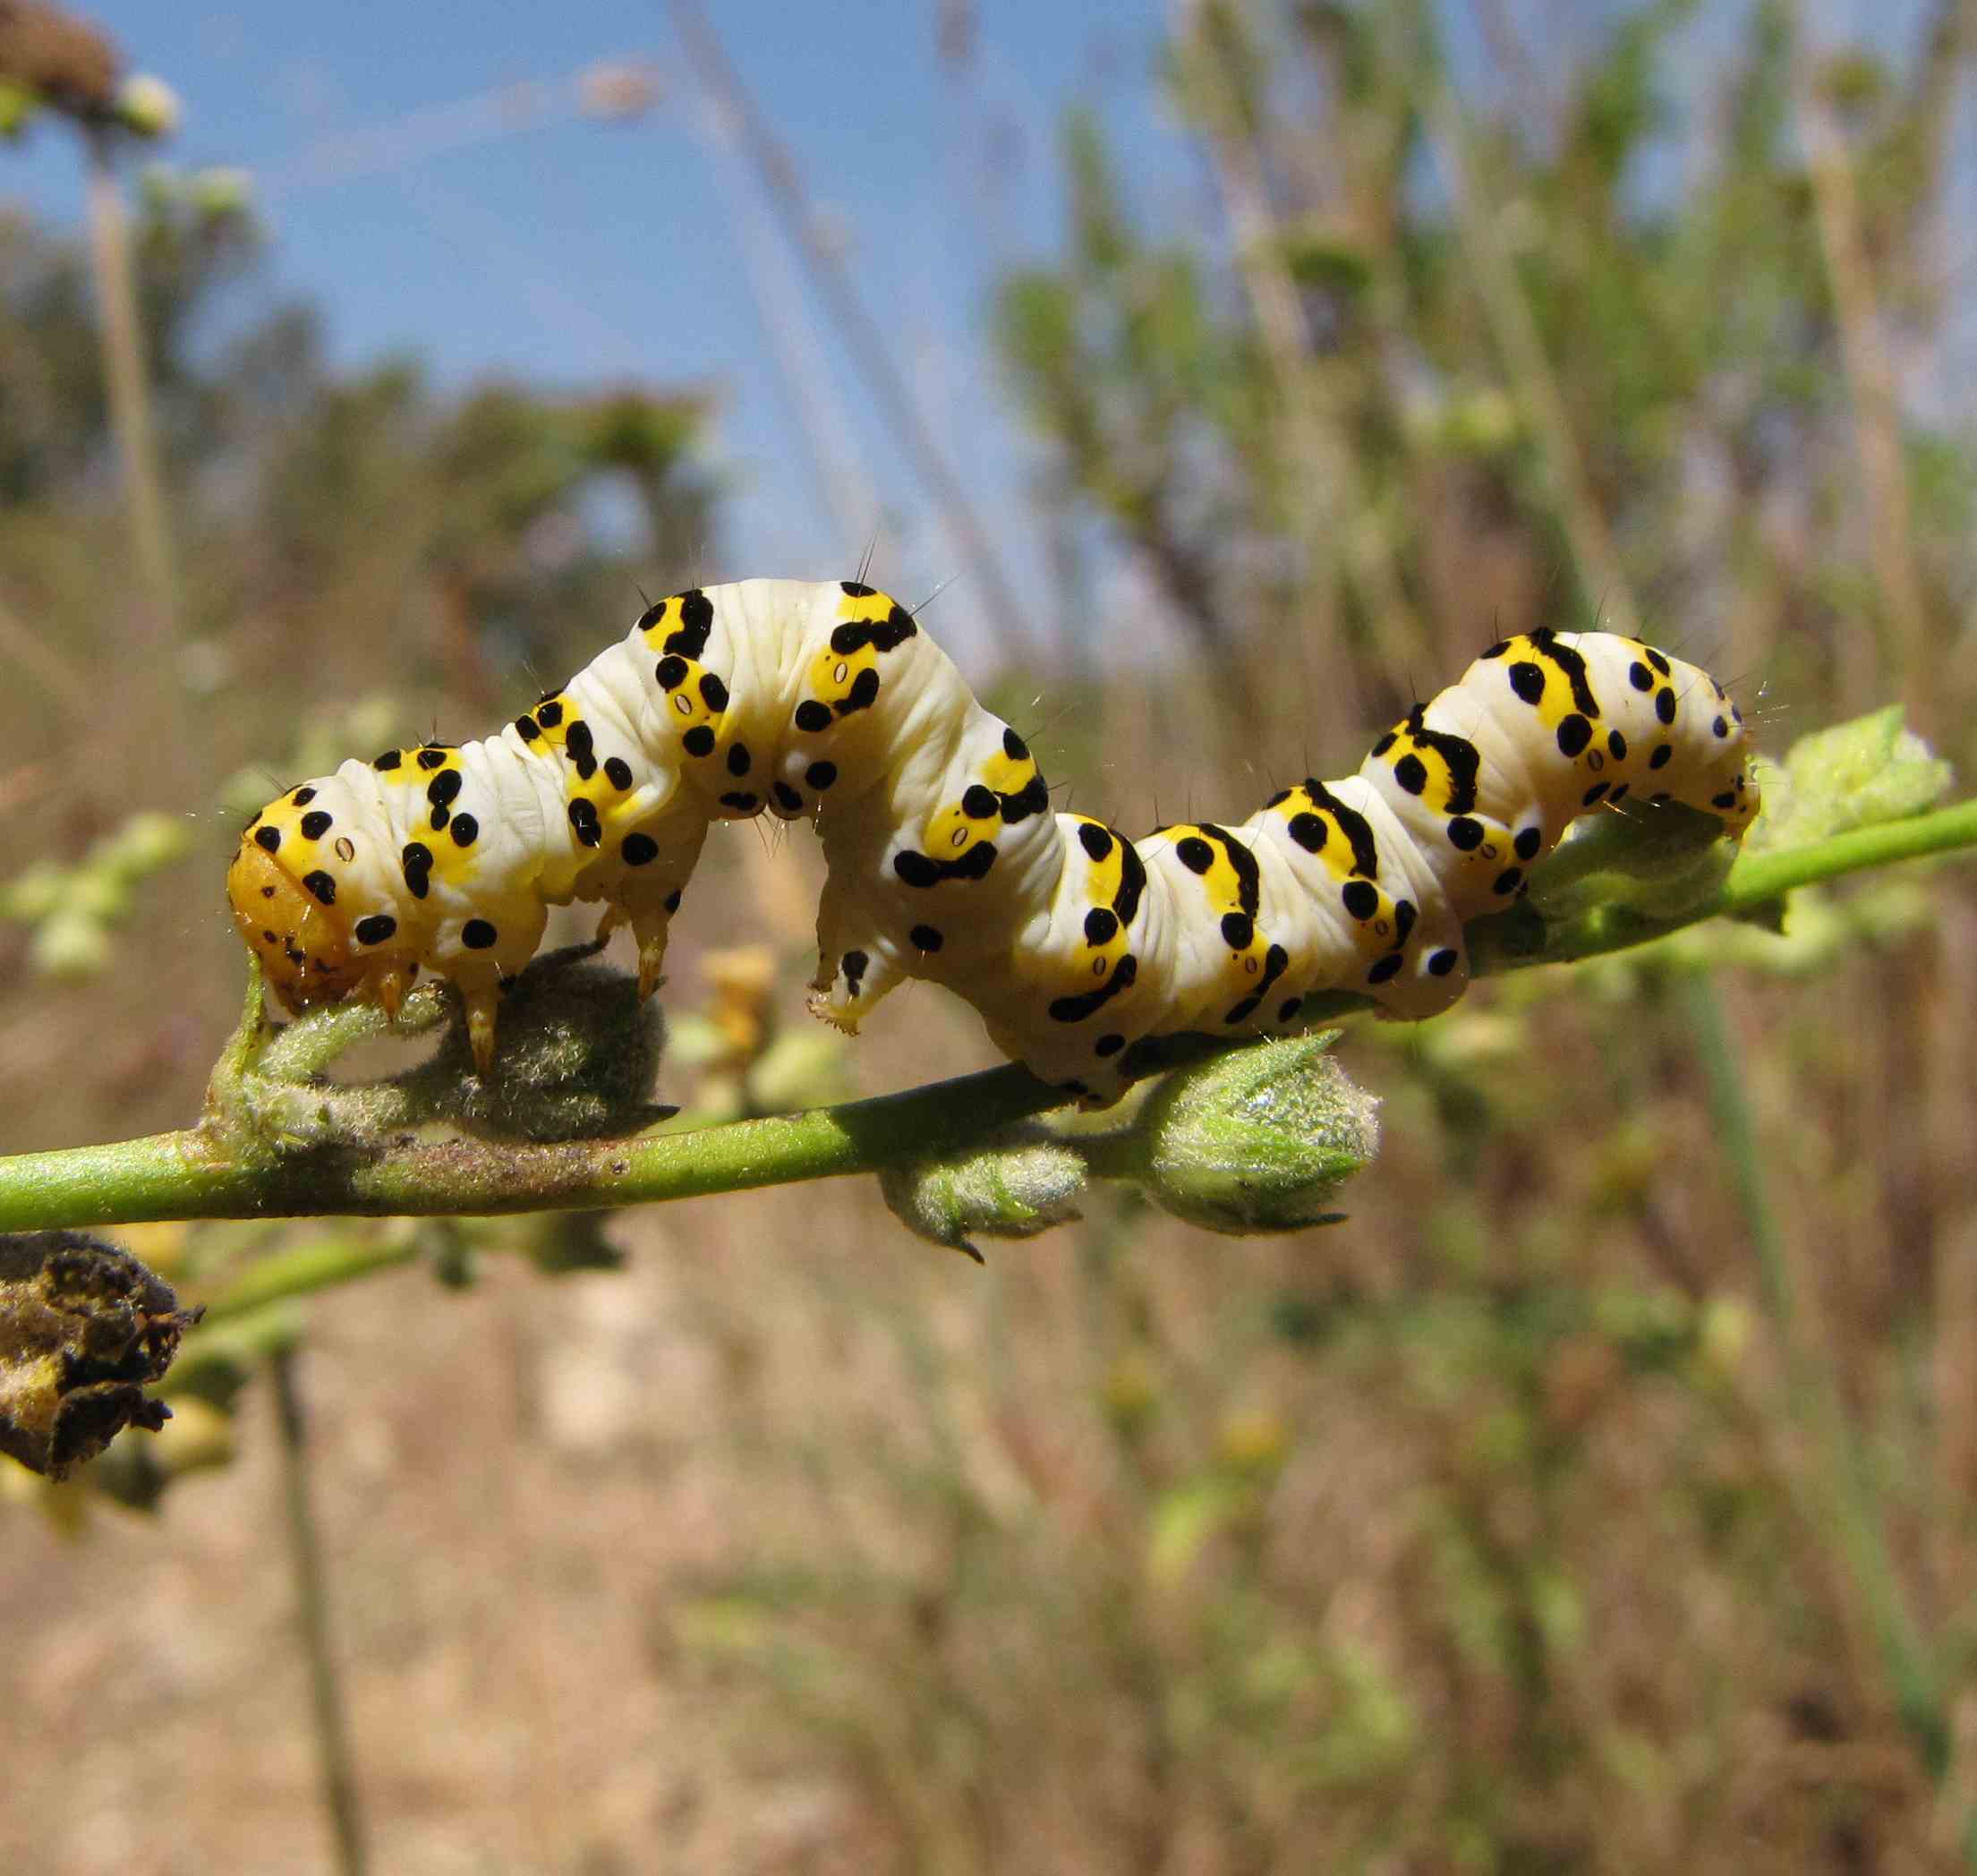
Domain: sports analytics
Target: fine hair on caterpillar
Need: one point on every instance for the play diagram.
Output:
(825, 701)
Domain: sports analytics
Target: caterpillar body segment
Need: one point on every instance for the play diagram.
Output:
(945, 862)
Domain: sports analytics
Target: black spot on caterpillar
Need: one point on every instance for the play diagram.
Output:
(1073, 943)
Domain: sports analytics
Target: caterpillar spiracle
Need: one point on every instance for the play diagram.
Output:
(827, 701)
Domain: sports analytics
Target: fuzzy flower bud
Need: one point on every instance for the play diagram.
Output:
(1256, 1140)
(221, 190)
(1663, 862)
(1023, 1184)
(579, 1056)
(147, 106)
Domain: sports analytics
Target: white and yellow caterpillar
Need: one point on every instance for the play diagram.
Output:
(826, 701)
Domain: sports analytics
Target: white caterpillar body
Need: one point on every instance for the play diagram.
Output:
(826, 701)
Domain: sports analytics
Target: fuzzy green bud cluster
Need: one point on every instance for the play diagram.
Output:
(76, 909)
(579, 1056)
(1255, 1140)
(214, 193)
(1853, 774)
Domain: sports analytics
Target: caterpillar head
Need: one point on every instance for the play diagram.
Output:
(307, 955)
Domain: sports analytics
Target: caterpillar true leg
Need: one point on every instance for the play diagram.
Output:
(826, 702)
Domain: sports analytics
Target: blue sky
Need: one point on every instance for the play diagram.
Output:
(571, 252)
(574, 252)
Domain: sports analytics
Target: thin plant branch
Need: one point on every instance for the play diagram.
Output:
(44, 664)
(224, 1169)
(1871, 384)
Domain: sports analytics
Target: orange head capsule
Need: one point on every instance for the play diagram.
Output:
(304, 946)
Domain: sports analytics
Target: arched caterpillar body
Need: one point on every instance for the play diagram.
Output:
(945, 861)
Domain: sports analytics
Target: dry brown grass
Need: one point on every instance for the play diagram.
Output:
(1470, 1534)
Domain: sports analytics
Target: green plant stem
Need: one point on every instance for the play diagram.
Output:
(1846, 1504)
(221, 1170)
(303, 1269)
(1757, 878)
(194, 1174)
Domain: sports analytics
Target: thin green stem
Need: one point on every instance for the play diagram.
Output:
(303, 1269)
(221, 1170)
(1847, 1504)
(1757, 878)
(192, 1175)
(1756, 881)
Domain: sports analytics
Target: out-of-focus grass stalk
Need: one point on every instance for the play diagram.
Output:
(130, 398)
(44, 664)
(1871, 384)
(1515, 330)
(335, 1761)
(823, 426)
(1324, 460)
(1844, 1500)
(873, 348)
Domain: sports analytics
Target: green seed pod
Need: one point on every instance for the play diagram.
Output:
(1023, 1184)
(1256, 1140)
(83, 1328)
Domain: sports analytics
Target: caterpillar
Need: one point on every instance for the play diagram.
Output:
(944, 860)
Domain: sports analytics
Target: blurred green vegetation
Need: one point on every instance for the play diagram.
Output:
(1600, 1498)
